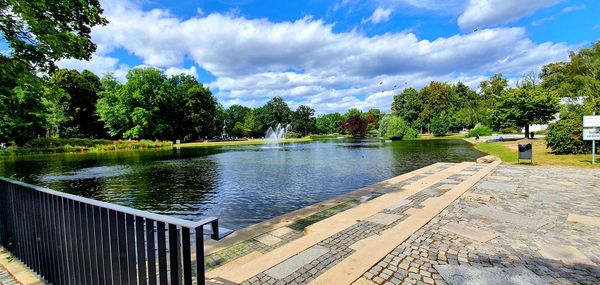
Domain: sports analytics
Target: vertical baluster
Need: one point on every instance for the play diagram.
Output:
(186, 256)
(173, 254)
(131, 252)
(200, 254)
(141, 249)
(162, 253)
(114, 247)
(151, 249)
(122, 242)
(98, 241)
(106, 246)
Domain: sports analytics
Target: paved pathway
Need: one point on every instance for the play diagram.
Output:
(5, 278)
(517, 225)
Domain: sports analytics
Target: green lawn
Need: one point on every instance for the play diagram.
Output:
(507, 151)
(233, 143)
(432, 137)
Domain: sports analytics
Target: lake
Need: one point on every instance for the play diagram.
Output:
(241, 185)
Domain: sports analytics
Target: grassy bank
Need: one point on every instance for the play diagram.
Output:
(432, 137)
(234, 143)
(507, 151)
(52, 145)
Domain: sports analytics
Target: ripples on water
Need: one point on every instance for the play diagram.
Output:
(241, 185)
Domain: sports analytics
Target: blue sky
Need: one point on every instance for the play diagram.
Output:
(340, 54)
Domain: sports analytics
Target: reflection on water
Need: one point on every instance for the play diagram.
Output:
(241, 185)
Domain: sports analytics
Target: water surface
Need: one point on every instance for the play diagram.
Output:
(241, 185)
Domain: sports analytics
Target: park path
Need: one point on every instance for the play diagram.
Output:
(461, 223)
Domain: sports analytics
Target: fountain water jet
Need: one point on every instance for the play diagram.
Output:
(276, 136)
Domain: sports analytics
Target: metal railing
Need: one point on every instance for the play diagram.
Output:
(68, 239)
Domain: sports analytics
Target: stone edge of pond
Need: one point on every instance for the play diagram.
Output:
(244, 241)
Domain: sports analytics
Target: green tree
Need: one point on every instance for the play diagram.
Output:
(22, 111)
(303, 119)
(395, 128)
(56, 112)
(274, 112)
(373, 116)
(235, 117)
(83, 91)
(440, 124)
(41, 32)
(524, 106)
(408, 105)
(329, 123)
(150, 105)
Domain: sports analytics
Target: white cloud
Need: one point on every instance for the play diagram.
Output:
(379, 15)
(485, 13)
(570, 9)
(305, 61)
(176, 71)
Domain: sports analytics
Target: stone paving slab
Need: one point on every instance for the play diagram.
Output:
(498, 186)
(289, 266)
(383, 219)
(268, 239)
(583, 219)
(502, 216)
(399, 205)
(470, 275)
(564, 253)
(280, 232)
(470, 232)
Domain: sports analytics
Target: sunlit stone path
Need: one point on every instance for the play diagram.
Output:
(449, 223)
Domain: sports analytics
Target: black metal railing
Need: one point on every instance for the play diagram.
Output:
(68, 239)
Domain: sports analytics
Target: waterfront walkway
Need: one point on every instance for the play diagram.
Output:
(446, 223)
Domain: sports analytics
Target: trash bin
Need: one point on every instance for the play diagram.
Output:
(525, 152)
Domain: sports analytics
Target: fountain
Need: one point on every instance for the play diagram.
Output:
(276, 136)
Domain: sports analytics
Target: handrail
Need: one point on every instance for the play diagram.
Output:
(118, 208)
(68, 239)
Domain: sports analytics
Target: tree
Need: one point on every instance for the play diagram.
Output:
(83, 91)
(39, 33)
(22, 112)
(373, 116)
(408, 105)
(440, 124)
(395, 128)
(329, 123)
(150, 105)
(355, 125)
(524, 106)
(303, 119)
(235, 116)
(274, 112)
(56, 112)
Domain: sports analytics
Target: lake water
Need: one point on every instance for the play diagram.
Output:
(240, 185)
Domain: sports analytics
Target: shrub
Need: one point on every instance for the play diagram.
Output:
(565, 136)
(480, 130)
(293, 135)
(395, 128)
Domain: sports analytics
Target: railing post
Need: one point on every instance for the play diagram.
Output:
(200, 255)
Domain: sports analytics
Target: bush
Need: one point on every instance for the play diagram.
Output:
(480, 130)
(395, 128)
(293, 135)
(565, 136)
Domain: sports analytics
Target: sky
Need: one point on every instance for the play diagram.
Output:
(337, 54)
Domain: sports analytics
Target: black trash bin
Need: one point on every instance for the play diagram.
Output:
(525, 152)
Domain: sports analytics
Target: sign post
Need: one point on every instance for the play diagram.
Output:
(591, 132)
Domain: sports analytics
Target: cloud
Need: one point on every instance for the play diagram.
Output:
(379, 15)
(570, 9)
(485, 13)
(306, 61)
(176, 71)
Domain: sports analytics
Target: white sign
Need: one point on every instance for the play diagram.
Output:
(591, 134)
(591, 121)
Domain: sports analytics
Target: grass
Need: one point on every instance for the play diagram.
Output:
(83, 145)
(234, 143)
(432, 137)
(507, 151)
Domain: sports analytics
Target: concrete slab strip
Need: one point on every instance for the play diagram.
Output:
(502, 216)
(268, 239)
(353, 267)
(383, 219)
(470, 232)
(281, 232)
(564, 253)
(290, 266)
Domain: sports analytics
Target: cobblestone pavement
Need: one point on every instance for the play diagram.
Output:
(546, 220)
(339, 246)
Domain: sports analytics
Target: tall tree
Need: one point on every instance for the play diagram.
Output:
(83, 91)
(524, 106)
(329, 123)
(303, 119)
(355, 125)
(41, 32)
(274, 112)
